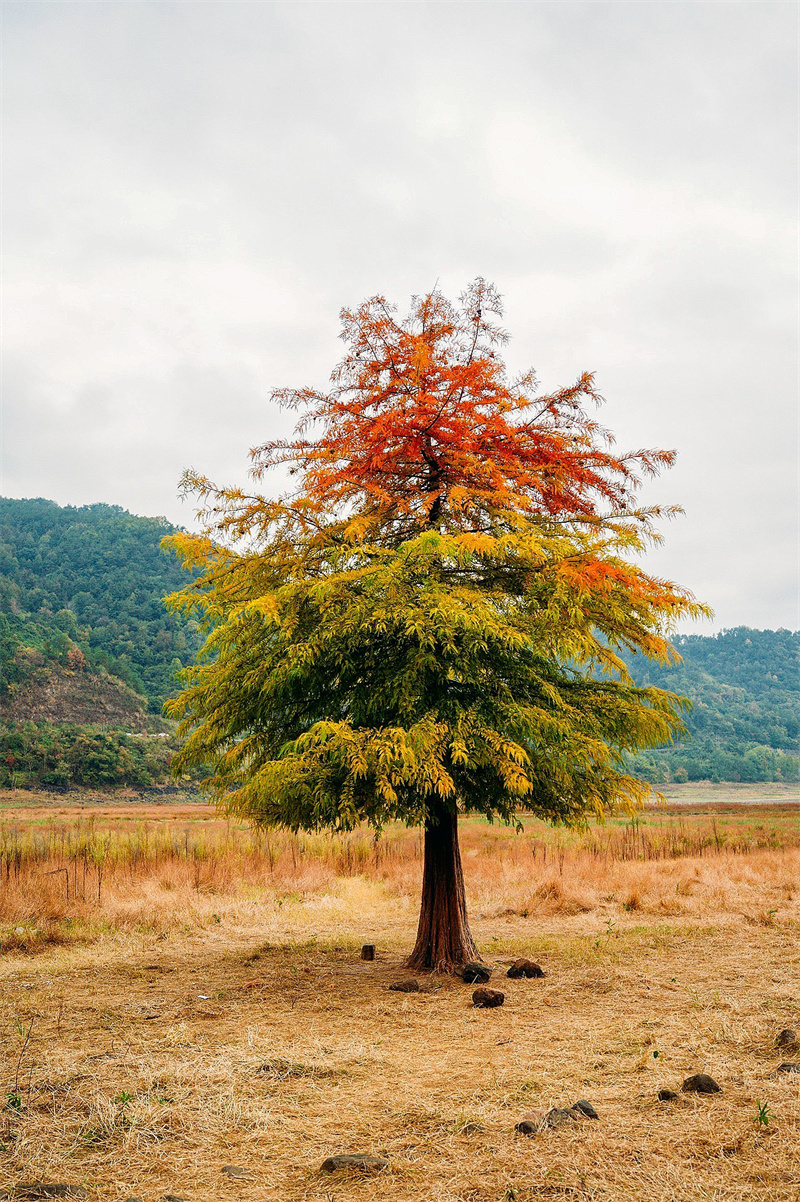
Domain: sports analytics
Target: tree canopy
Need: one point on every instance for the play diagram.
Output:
(432, 620)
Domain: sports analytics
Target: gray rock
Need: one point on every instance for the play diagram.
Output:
(487, 999)
(172, 1198)
(525, 968)
(539, 1120)
(409, 986)
(475, 973)
(787, 1039)
(789, 1068)
(49, 1189)
(585, 1108)
(347, 1160)
(667, 1095)
(235, 1170)
(558, 1116)
(700, 1083)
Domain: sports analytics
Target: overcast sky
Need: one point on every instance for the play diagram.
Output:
(193, 191)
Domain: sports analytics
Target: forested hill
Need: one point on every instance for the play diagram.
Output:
(88, 582)
(81, 591)
(745, 720)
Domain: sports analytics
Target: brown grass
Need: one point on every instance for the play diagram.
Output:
(211, 1009)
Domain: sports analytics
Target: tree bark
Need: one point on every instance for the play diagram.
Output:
(444, 942)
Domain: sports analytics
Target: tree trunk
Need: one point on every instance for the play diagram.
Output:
(444, 941)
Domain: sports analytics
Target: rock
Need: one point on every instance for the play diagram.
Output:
(476, 973)
(235, 1170)
(49, 1189)
(409, 986)
(344, 1160)
(172, 1198)
(538, 1120)
(789, 1068)
(787, 1039)
(531, 1122)
(700, 1083)
(525, 968)
(667, 1095)
(558, 1116)
(487, 999)
(368, 951)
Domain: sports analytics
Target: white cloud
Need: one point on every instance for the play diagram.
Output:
(193, 191)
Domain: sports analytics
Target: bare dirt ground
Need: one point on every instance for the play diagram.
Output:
(240, 1027)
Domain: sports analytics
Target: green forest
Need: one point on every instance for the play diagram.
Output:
(81, 589)
(91, 579)
(744, 723)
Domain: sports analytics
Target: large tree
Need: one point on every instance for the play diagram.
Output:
(428, 623)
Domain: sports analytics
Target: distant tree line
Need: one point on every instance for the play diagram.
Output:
(39, 755)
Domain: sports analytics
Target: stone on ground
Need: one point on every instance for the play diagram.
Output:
(667, 1095)
(560, 1115)
(700, 1083)
(537, 1120)
(235, 1170)
(525, 968)
(787, 1039)
(531, 1122)
(347, 1160)
(487, 999)
(475, 973)
(409, 986)
(789, 1068)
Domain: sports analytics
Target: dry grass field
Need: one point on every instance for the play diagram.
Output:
(179, 993)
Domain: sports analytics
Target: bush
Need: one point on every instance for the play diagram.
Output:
(38, 755)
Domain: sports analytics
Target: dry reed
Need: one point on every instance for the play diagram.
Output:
(71, 878)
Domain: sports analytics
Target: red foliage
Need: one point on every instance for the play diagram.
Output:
(423, 425)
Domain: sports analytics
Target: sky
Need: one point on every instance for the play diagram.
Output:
(192, 191)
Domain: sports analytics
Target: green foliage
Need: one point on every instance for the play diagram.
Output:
(39, 755)
(90, 580)
(380, 683)
(744, 686)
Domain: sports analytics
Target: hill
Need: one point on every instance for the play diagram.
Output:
(85, 641)
(744, 686)
(84, 586)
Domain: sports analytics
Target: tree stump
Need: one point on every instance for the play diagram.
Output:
(368, 951)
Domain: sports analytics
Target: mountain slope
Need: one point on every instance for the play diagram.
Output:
(744, 686)
(81, 610)
(90, 579)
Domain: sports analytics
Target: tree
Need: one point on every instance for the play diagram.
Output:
(428, 624)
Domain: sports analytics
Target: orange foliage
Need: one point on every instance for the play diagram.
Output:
(424, 426)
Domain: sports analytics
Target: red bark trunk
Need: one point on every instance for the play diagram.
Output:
(444, 942)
